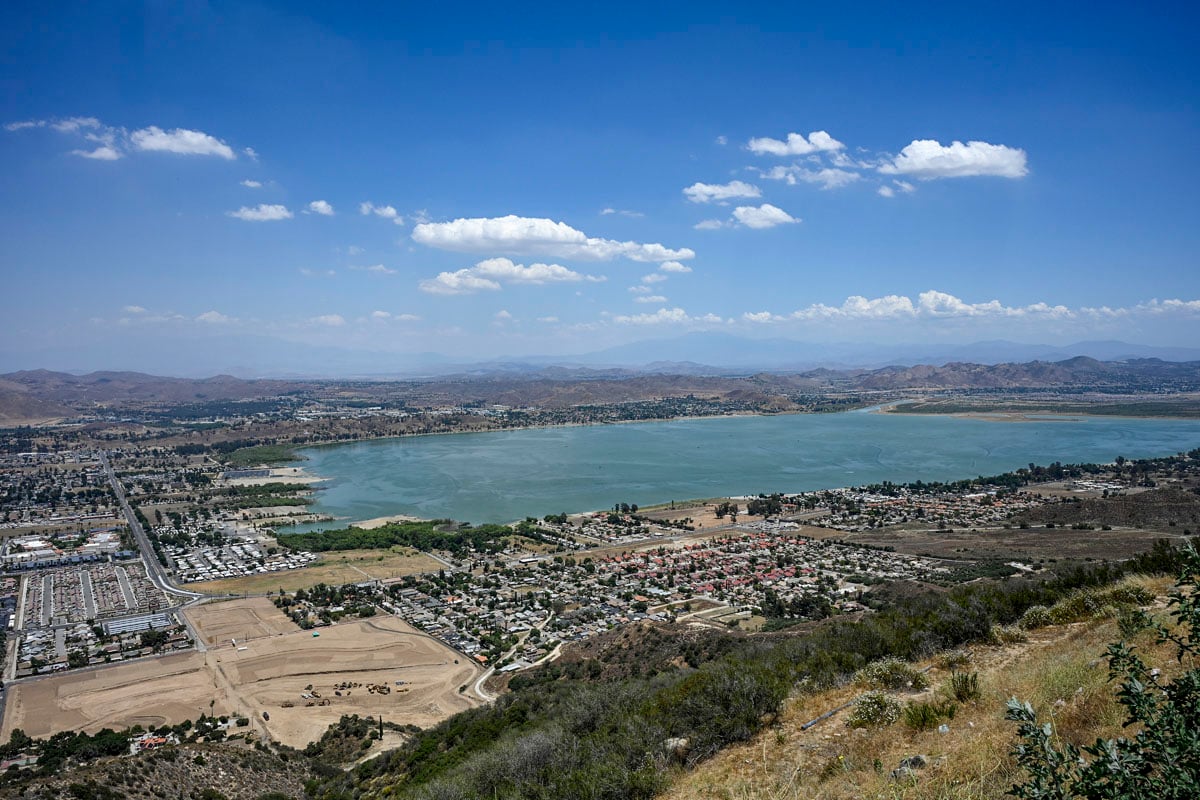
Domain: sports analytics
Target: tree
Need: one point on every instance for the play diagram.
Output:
(1162, 759)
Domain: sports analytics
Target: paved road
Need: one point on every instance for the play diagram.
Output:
(153, 568)
(89, 595)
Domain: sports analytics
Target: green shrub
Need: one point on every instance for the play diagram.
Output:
(1007, 634)
(874, 710)
(953, 659)
(921, 716)
(964, 686)
(890, 673)
(1162, 758)
(1035, 617)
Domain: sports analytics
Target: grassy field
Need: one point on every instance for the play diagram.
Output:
(263, 454)
(334, 569)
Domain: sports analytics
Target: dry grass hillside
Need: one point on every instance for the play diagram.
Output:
(1060, 669)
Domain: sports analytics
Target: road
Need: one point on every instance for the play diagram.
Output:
(154, 569)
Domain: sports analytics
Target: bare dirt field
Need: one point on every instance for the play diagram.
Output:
(259, 675)
(252, 618)
(1002, 543)
(147, 692)
(334, 569)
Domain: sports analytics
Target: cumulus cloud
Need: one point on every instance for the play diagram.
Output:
(214, 318)
(387, 212)
(320, 207)
(674, 266)
(329, 320)
(764, 216)
(491, 273)
(928, 305)
(104, 152)
(249, 184)
(666, 316)
(650, 298)
(654, 277)
(502, 316)
(111, 143)
(719, 192)
(928, 159)
(261, 213)
(709, 225)
(387, 315)
(513, 235)
(886, 191)
(827, 177)
(795, 145)
(180, 141)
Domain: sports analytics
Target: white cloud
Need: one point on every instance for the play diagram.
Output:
(462, 281)
(709, 225)
(261, 213)
(387, 315)
(20, 126)
(321, 207)
(886, 191)
(75, 124)
(640, 289)
(378, 269)
(491, 273)
(214, 318)
(674, 266)
(609, 211)
(904, 186)
(667, 316)
(764, 216)
(796, 145)
(180, 141)
(513, 235)
(102, 153)
(827, 177)
(760, 317)
(329, 320)
(134, 310)
(312, 273)
(654, 277)
(355, 250)
(650, 298)
(547, 320)
(927, 159)
(722, 141)
(251, 153)
(503, 316)
(387, 212)
(928, 305)
(249, 184)
(718, 192)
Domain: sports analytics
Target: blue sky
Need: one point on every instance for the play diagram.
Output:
(484, 180)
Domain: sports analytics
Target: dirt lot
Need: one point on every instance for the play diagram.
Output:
(259, 674)
(252, 618)
(1007, 544)
(334, 569)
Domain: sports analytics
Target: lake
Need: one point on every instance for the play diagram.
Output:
(507, 475)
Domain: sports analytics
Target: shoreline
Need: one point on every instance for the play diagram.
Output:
(884, 408)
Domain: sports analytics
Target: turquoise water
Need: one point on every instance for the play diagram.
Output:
(508, 475)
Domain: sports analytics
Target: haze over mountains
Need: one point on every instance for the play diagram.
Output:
(700, 353)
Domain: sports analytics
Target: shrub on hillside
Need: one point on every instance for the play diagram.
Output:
(1161, 759)
(890, 673)
(874, 710)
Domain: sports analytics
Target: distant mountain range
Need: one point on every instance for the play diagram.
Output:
(42, 394)
(699, 353)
